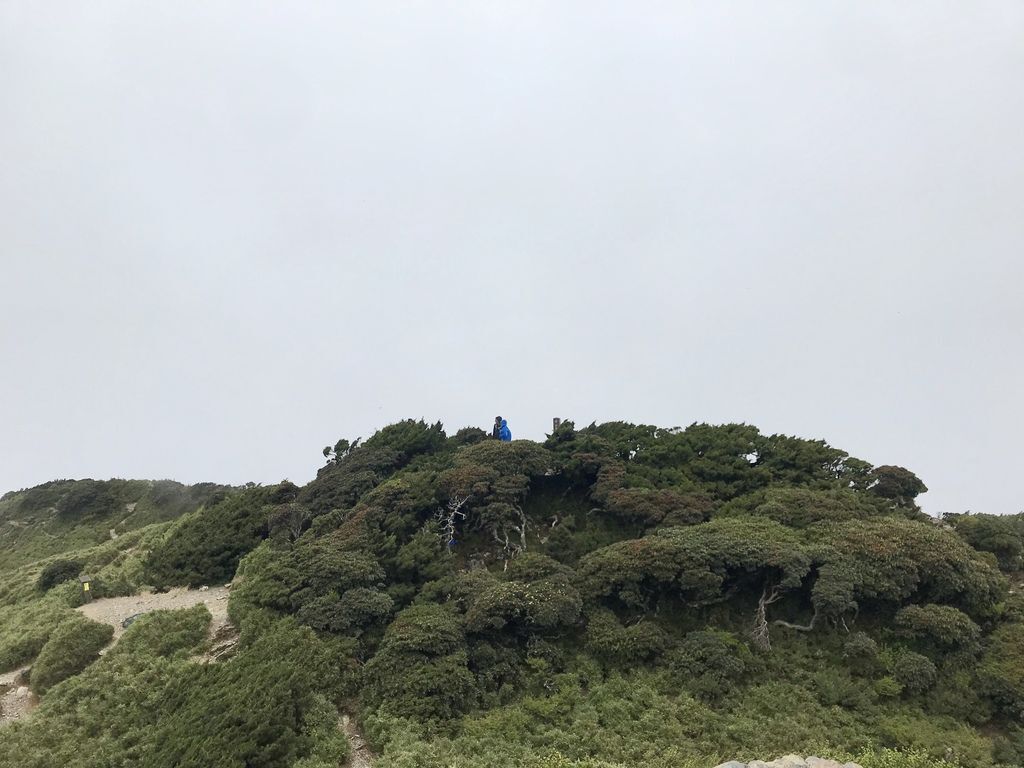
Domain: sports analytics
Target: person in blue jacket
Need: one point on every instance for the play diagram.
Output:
(504, 434)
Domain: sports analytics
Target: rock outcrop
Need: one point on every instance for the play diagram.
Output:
(790, 761)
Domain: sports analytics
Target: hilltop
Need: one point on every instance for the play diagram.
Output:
(617, 596)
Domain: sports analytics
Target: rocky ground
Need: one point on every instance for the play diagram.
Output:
(16, 700)
(790, 761)
(359, 752)
(115, 610)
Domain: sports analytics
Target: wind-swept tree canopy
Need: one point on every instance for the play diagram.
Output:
(718, 590)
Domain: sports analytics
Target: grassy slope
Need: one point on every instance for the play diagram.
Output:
(66, 515)
(72, 520)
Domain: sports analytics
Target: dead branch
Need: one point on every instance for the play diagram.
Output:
(449, 517)
(799, 627)
(760, 635)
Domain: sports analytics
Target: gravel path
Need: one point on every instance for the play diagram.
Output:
(16, 700)
(359, 752)
(115, 610)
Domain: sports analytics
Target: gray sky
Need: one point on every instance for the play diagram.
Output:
(233, 232)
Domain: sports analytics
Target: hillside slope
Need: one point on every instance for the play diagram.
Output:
(70, 514)
(620, 595)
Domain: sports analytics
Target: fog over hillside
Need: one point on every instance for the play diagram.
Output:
(231, 232)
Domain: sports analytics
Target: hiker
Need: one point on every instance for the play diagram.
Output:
(496, 429)
(504, 434)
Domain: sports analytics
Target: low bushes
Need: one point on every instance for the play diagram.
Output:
(74, 645)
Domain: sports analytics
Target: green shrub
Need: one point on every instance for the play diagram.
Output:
(710, 662)
(328, 745)
(888, 687)
(165, 633)
(861, 653)
(421, 668)
(1001, 671)
(253, 710)
(610, 641)
(916, 673)
(88, 499)
(650, 506)
(504, 606)
(323, 584)
(941, 625)
(408, 438)
(836, 688)
(74, 645)
(26, 627)
(893, 758)
(205, 547)
(1002, 535)
(57, 572)
(351, 612)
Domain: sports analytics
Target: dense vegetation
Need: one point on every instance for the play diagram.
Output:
(63, 515)
(620, 595)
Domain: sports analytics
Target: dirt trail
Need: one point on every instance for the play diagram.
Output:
(360, 755)
(114, 610)
(16, 700)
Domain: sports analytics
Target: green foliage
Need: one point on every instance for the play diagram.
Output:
(74, 645)
(249, 711)
(166, 633)
(27, 627)
(1002, 535)
(56, 572)
(891, 559)
(620, 645)
(800, 507)
(205, 547)
(888, 687)
(896, 484)
(408, 439)
(651, 506)
(537, 596)
(711, 662)
(467, 436)
(421, 668)
(85, 499)
(916, 673)
(329, 747)
(696, 563)
(593, 611)
(66, 515)
(941, 625)
(1002, 668)
(861, 652)
(893, 758)
(326, 587)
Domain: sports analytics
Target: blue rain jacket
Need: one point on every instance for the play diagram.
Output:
(504, 434)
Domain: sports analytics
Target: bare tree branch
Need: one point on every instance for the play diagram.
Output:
(449, 517)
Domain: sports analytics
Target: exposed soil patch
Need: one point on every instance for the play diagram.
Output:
(16, 700)
(360, 755)
(115, 610)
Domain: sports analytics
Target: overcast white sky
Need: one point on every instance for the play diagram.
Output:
(233, 232)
